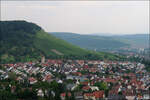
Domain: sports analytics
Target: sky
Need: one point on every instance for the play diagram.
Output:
(84, 17)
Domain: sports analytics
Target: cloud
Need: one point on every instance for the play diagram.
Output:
(82, 17)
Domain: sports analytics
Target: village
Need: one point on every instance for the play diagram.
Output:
(84, 79)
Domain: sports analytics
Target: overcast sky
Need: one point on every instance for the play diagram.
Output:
(117, 17)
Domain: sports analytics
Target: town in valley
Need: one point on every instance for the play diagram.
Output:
(76, 80)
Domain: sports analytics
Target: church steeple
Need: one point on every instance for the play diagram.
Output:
(43, 59)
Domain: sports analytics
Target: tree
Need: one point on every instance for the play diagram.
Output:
(101, 85)
(67, 97)
(72, 96)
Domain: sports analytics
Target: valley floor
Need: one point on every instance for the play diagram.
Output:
(74, 80)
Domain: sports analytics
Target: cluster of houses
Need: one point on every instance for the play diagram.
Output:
(124, 80)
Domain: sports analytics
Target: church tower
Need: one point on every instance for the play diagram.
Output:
(43, 59)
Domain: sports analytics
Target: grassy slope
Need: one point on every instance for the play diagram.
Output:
(47, 42)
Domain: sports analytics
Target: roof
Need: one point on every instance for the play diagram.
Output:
(32, 79)
(98, 94)
(86, 88)
(64, 94)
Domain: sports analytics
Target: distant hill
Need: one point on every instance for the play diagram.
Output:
(105, 43)
(92, 42)
(135, 40)
(24, 41)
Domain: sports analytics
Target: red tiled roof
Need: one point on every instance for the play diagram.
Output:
(98, 94)
(48, 77)
(32, 79)
(29, 62)
(84, 83)
(64, 94)
(77, 73)
(128, 93)
(109, 80)
(86, 88)
(86, 66)
(88, 94)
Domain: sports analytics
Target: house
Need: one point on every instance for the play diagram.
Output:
(5, 76)
(85, 83)
(40, 93)
(88, 96)
(13, 88)
(93, 88)
(60, 81)
(70, 86)
(78, 96)
(109, 80)
(32, 80)
(63, 95)
(47, 78)
(86, 88)
(20, 80)
(94, 96)
(99, 94)
(116, 97)
(77, 73)
(146, 94)
(70, 77)
(129, 94)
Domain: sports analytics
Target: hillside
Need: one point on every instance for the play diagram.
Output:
(24, 41)
(135, 40)
(105, 43)
(91, 42)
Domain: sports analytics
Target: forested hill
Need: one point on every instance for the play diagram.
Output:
(24, 41)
